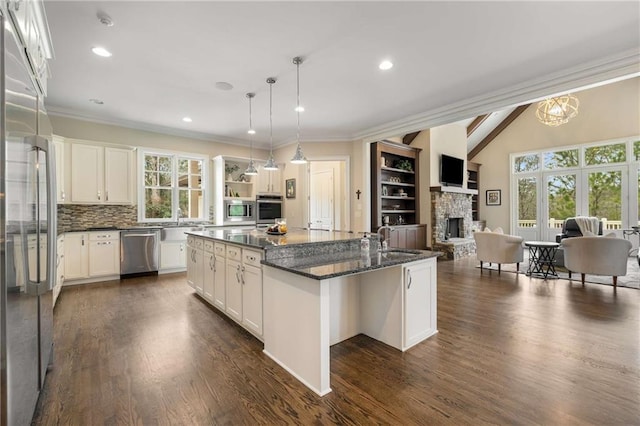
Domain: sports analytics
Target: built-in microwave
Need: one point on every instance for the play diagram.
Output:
(269, 208)
(239, 211)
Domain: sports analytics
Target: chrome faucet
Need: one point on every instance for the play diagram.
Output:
(385, 245)
(179, 214)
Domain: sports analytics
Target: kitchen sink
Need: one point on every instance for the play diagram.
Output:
(177, 233)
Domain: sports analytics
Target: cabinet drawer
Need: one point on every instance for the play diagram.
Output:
(234, 253)
(194, 242)
(251, 257)
(104, 236)
(220, 249)
(208, 246)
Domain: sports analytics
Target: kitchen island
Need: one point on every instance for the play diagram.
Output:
(317, 289)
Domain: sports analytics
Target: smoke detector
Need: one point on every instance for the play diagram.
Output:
(105, 20)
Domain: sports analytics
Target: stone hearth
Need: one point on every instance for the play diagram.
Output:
(445, 205)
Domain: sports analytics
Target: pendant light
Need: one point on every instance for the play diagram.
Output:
(271, 163)
(557, 111)
(251, 168)
(299, 157)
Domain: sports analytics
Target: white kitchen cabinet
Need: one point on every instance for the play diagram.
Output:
(219, 280)
(59, 147)
(101, 174)
(208, 284)
(268, 181)
(252, 299)
(173, 255)
(104, 253)
(118, 179)
(87, 173)
(59, 268)
(195, 264)
(76, 255)
(234, 288)
(420, 302)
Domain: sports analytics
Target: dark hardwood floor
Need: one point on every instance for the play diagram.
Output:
(510, 350)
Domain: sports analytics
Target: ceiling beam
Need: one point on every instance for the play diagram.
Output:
(495, 132)
(409, 137)
(476, 123)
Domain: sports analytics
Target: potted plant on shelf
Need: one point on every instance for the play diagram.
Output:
(229, 169)
(404, 165)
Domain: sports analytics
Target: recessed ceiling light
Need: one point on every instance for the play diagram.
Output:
(101, 51)
(96, 101)
(299, 108)
(251, 132)
(105, 19)
(385, 65)
(187, 119)
(223, 85)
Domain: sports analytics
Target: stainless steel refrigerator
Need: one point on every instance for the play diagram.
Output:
(27, 234)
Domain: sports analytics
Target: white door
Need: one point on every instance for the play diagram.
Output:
(561, 199)
(602, 197)
(321, 200)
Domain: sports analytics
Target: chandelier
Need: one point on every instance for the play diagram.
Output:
(558, 110)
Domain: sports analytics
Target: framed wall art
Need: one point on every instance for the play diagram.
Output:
(290, 188)
(494, 197)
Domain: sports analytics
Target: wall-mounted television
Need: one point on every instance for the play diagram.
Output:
(451, 170)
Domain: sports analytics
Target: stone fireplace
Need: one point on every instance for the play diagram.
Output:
(452, 222)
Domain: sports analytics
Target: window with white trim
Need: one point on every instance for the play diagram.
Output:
(173, 187)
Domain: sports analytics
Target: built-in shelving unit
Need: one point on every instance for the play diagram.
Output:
(396, 194)
(473, 182)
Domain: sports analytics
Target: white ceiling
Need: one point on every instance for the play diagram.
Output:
(167, 57)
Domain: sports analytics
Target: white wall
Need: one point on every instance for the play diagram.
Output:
(450, 139)
(605, 113)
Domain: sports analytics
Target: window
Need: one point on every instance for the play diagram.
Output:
(526, 163)
(561, 159)
(173, 187)
(636, 150)
(605, 154)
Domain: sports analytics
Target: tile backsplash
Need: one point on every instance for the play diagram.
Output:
(81, 216)
(72, 217)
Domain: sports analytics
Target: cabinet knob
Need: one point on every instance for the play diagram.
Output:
(99, 195)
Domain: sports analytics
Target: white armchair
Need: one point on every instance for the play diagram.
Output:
(498, 248)
(597, 256)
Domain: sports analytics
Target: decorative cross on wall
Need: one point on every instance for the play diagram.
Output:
(358, 193)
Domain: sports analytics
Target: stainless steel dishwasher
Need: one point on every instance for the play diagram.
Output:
(139, 252)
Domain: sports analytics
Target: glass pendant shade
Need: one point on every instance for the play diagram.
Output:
(271, 164)
(299, 157)
(251, 169)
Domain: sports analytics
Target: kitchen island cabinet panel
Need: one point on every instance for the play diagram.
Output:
(234, 289)
(173, 255)
(195, 268)
(252, 299)
(208, 285)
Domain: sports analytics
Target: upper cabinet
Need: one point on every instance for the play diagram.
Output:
(60, 151)
(32, 30)
(268, 181)
(101, 174)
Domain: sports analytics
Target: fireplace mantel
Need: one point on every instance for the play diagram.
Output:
(454, 189)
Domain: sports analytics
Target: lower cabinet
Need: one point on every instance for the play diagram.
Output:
(90, 255)
(173, 255)
(419, 300)
(59, 269)
(231, 278)
(234, 290)
(407, 237)
(76, 255)
(195, 264)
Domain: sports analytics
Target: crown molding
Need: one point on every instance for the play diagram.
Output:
(590, 74)
(72, 114)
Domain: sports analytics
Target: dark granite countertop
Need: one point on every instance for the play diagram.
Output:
(313, 253)
(321, 267)
(258, 238)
